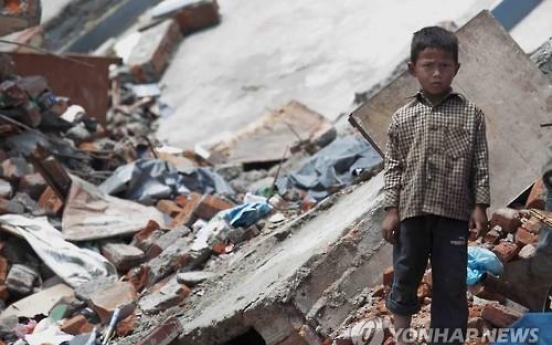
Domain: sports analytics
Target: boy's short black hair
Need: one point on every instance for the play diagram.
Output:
(434, 37)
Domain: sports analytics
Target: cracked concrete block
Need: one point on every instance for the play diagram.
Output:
(168, 296)
(170, 260)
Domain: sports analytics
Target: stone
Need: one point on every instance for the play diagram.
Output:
(210, 205)
(123, 256)
(10, 207)
(126, 326)
(20, 280)
(33, 185)
(105, 301)
(506, 251)
(29, 205)
(499, 315)
(508, 219)
(424, 290)
(166, 240)
(168, 296)
(139, 277)
(6, 189)
(193, 278)
(495, 235)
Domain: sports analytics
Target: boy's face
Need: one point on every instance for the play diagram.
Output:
(435, 69)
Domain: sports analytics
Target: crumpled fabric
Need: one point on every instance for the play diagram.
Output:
(72, 264)
(148, 180)
(333, 167)
(481, 261)
(247, 214)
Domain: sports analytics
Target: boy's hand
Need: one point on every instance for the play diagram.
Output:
(479, 221)
(390, 225)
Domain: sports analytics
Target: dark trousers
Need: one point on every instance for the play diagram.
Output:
(444, 242)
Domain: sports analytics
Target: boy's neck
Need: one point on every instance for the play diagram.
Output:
(437, 99)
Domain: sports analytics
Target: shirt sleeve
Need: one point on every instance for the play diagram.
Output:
(392, 169)
(481, 188)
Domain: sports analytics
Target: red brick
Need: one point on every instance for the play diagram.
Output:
(4, 293)
(50, 202)
(507, 218)
(533, 225)
(379, 291)
(187, 216)
(4, 269)
(388, 276)
(197, 17)
(73, 325)
(33, 185)
(495, 235)
(506, 251)
(169, 208)
(499, 315)
(144, 238)
(428, 278)
(126, 327)
(151, 55)
(537, 196)
(139, 277)
(210, 205)
(475, 311)
(123, 256)
(105, 301)
(524, 237)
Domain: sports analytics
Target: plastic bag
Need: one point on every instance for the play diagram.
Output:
(481, 260)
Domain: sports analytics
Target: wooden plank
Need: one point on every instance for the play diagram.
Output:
(512, 92)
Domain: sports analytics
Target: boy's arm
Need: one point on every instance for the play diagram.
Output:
(392, 170)
(392, 185)
(480, 183)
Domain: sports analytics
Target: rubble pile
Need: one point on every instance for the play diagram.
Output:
(515, 236)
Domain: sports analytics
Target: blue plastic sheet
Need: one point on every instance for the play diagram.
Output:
(480, 261)
(532, 328)
(247, 214)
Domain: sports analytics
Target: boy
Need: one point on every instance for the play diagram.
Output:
(436, 189)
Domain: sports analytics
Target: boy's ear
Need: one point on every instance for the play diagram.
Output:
(411, 68)
(457, 69)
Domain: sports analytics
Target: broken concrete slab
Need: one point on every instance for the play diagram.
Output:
(485, 50)
(264, 140)
(40, 303)
(91, 214)
(270, 271)
(170, 295)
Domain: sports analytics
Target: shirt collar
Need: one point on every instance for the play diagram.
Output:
(419, 96)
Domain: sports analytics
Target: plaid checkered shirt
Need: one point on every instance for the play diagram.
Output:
(436, 158)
